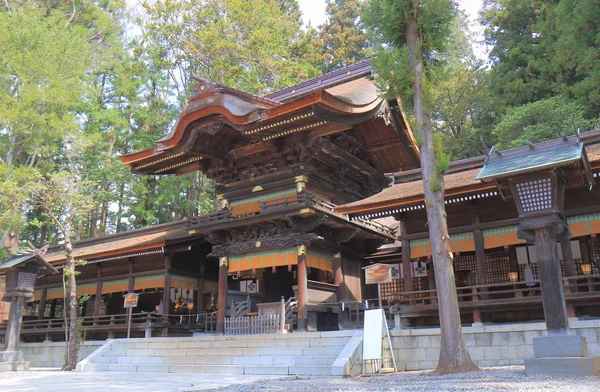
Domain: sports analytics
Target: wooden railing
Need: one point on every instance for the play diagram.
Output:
(116, 322)
(416, 303)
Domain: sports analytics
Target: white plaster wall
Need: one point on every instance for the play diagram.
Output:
(489, 345)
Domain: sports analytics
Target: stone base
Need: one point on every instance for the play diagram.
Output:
(566, 367)
(552, 346)
(12, 360)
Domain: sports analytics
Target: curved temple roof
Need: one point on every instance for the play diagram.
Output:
(218, 119)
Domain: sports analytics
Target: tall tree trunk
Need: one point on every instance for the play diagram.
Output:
(118, 223)
(72, 344)
(454, 356)
(93, 222)
(103, 217)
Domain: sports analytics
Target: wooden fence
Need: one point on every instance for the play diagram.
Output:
(252, 325)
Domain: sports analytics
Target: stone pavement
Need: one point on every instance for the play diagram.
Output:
(45, 380)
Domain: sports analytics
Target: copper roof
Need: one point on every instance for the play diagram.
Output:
(457, 183)
(219, 118)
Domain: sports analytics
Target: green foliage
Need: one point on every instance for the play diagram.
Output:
(542, 49)
(342, 35)
(248, 45)
(538, 121)
(386, 26)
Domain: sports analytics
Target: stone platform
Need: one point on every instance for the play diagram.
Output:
(12, 360)
(562, 355)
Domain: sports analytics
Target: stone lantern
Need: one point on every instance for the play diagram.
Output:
(536, 177)
(21, 274)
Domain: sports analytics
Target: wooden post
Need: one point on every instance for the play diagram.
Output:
(553, 296)
(98, 298)
(480, 257)
(167, 287)
(567, 253)
(131, 282)
(200, 299)
(302, 289)
(406, 262)
(338, 276)
(222, 294)
(42, 308)
(13, 327)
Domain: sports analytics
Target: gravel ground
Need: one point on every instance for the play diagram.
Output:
(498, 379)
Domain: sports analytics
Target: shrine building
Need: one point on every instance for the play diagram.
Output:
(315, 182)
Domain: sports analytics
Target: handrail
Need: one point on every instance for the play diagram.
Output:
(498, 291)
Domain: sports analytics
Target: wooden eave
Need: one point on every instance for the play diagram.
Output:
(412, 200)
(254, 118)
(149, 238)
(364, 207)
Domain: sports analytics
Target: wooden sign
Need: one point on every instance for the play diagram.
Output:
(378, 273)
(131, 300)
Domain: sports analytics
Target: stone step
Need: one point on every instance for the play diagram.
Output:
(149, 368)
(219, 360)
(248, 343)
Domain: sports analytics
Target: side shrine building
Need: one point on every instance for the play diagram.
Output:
(305, 202)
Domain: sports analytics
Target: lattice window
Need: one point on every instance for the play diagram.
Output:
(396, 286)
(535, 195)
(534, 271)
(467, 262)
(594, 247)
(498, 267)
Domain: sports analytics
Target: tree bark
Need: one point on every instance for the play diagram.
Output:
(454, 356)
(72, 344)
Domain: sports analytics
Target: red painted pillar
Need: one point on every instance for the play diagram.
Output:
(302, 289)
(222, 294)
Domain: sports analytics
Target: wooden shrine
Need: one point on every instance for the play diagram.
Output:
(282, 163)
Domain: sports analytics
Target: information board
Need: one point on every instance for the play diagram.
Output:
(131, 300)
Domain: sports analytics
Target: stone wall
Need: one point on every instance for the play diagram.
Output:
(489, 345)
(52, 354)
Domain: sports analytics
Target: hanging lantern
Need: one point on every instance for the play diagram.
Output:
(273, 269)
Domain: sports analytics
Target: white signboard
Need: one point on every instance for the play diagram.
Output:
(375, 327)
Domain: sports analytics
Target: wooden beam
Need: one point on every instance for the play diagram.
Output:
(384, 145)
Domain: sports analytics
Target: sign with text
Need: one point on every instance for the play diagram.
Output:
(378, 273)
(131, 300)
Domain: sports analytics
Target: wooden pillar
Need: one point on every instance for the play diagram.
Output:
(567, 253)
(222, 294)
(98, 298)
(480, 257)
(302, 289)
(553, 296)
(167, 287)
(406, 262)
(200, 299)
(42, 308)
(131, 282)
(13, 327)
(338, 276)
